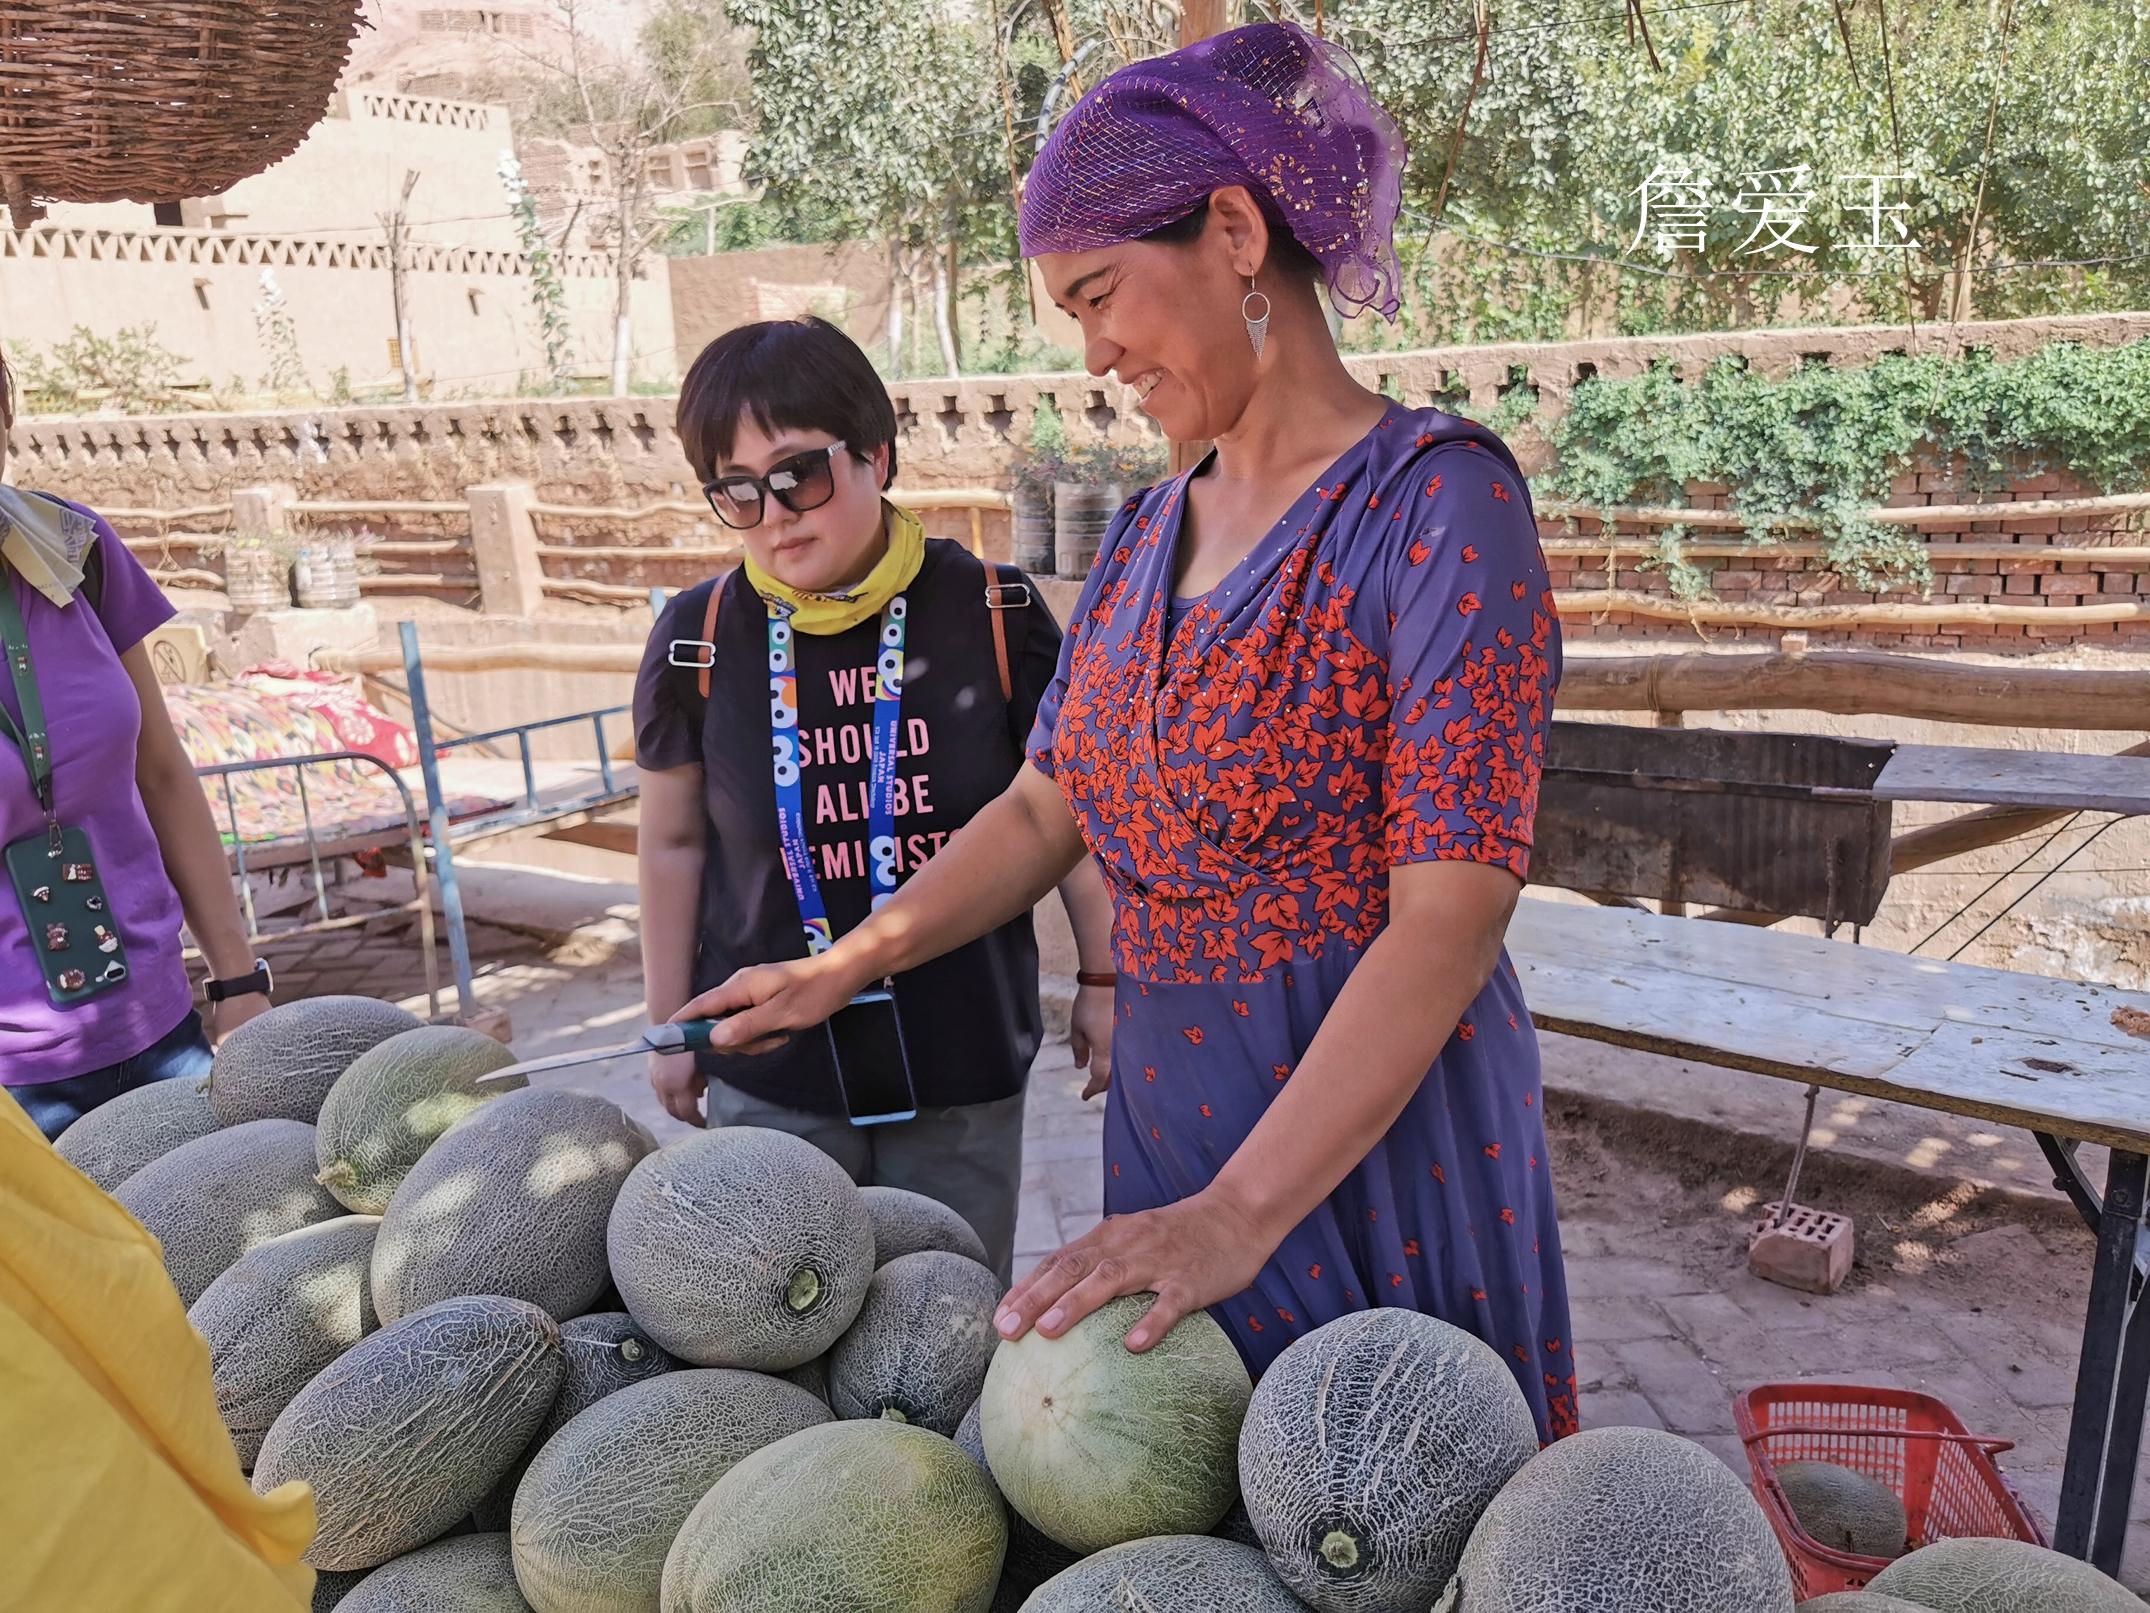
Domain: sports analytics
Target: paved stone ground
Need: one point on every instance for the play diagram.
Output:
(1964, 1288)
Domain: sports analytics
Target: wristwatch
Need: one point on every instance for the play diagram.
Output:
(240, 985)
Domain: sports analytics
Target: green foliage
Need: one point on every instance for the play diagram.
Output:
(129, 371)
(1111, 464)
(548, 294)
(1823, 444)
(1046, 452)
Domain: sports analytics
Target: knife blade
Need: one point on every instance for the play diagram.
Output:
(684, 1036)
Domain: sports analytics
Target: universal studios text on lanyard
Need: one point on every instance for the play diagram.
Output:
(865, 1037)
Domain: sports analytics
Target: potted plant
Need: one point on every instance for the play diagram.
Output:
(1037, 467)
(1091, 486)
(257, 570)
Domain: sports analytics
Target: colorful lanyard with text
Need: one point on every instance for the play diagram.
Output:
(881, 765)
(28, 734)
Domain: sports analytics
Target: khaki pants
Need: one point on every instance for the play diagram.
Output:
(969, 1157)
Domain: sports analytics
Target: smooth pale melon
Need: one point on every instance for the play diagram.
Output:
(1033, 1558)
(1369, 1451)
(469, 1574)
(873, 1514)
(742, 1247)
(116, 1139)
(1845, 1509)
(605, 1352)
(1097, 1445)
(922, 1342)
(211, 1200)
(1169, 1574)
(281, 1063)
(404, 1433)
(395, 1101)
(601, 1503)
(514, 1201)
(1858, 1602)
(1622, 1520)
(907, 1223)
(279, 1315)
(2001, 1576)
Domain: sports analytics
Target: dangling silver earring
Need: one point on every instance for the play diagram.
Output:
(1257, 324)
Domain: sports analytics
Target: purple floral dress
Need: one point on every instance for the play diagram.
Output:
(1371, 685)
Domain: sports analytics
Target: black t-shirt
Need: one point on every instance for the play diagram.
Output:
(971, 1022)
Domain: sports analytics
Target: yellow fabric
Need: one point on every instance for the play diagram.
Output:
(45, 540)
(834, 613)
(119, 1488)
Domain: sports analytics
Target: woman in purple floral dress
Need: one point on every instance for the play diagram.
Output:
(1299, 722)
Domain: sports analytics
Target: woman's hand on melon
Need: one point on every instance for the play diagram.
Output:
(760, 1007)
(1190, 1255)
(679, 1086)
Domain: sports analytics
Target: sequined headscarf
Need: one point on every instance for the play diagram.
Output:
(1269, 107)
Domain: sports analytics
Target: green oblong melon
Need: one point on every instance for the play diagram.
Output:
(116, 1139)
(280, 1314)
(1858, 1602)
(907, 1223)
(395, 1101)
(466, 1574)
(1621, 1520)
(1370, 1449)
(1096, 1445)
(2001, 1576)
(1170, 1574)
(921, 1344)
(1845, 1509)
(870, 1514)
(741, 1247)
(605, 1352)
(211, 1200)
(406, 1431)
(281, 1063)
(1033, 1557)
(514, 1201)
(601, 1502)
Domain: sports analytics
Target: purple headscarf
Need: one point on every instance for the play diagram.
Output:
(1269, 107)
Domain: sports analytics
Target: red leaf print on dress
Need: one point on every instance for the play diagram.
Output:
(1468, 605)
(1193, 1033)
(1500, 492)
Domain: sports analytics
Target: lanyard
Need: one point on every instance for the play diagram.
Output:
(881, 769)
(29, 734)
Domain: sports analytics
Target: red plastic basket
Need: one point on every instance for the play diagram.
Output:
(1945, 1474)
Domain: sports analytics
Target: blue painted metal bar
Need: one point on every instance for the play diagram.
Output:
(451, 893)
(522, 744)
(604, 757)
(526, 728)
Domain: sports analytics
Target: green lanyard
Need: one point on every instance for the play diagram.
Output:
(29, 733)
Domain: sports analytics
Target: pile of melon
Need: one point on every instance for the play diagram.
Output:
(527, 1360)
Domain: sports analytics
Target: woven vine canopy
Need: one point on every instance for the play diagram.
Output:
(159, 100)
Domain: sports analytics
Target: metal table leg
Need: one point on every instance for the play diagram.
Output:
(451, 892)
(2105, 1429)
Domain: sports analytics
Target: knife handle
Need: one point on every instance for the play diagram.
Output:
(682, 1036)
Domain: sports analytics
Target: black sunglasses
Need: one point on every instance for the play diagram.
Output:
(801, 483)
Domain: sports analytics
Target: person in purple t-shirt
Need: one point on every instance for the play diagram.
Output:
(119, 775)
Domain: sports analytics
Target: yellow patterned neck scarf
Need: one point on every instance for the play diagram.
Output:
(839, 612)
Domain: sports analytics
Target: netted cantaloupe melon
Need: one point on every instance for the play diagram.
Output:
(812, 1376)
(605, 1352)
(1845, 1509)
(742, 1247)
(1621, 1520)
(331, 1587)
(395, 1101)
(281, 1063)
(1169, 1574)
(1097, 1445)
(468, 1574)
(907, 1223)
(280, 1314)
(514, 1200)
(600, 1504)
(403, 1434)
(116, 1139)
(209, 1201)
(1033, 1557)
(2001, 1576)
(870, 1514)
(1369, 1451)
(1858, 1602)
(921, 1344)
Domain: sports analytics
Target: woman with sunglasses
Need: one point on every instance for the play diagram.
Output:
(811, 728)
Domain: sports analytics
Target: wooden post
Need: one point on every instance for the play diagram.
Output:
(503, 542)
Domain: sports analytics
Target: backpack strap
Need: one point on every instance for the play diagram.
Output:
(1009, 592)
(709, 636)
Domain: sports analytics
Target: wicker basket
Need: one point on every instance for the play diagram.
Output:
(159, 100)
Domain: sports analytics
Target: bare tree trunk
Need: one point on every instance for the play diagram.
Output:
(397, 225)
(943, 296)
(624, 253)
(896, 278)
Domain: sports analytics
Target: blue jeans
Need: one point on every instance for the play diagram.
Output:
(56, 1105)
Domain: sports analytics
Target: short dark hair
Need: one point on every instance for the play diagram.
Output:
(784, 374)
(7, 396)
(1285, 251)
